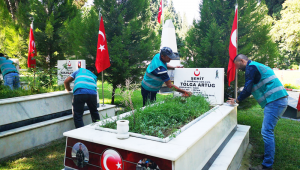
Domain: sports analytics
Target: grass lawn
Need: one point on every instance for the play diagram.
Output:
(287, 134)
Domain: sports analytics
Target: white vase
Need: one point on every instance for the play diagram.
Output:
(123, 128)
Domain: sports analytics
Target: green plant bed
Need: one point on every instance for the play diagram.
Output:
(162, 119)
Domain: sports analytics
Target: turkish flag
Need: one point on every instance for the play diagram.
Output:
(31, 62)
(102, 59)
(159, 12)
(232, 49)
(298, 105)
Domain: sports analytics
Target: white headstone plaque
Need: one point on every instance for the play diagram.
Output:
(66, 67)
(208, 82)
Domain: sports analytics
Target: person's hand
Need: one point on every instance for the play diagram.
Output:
(68, 90)
(179, 67)
(231, 101)
(187, 94)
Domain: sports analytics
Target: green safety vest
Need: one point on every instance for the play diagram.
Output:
(7, 66)
(151, 82)
(269, 88)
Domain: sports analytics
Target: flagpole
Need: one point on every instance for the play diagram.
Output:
(103, 70)
(236, 71)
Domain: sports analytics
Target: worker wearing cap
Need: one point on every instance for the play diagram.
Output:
(157, 74)
(9, 72)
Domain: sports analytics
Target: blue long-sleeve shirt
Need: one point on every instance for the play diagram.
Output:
(252, 76)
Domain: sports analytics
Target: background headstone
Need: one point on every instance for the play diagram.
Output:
(66, 67)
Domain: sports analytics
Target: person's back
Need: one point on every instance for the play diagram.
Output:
(85, 81)
(9, 72)
(85, 91)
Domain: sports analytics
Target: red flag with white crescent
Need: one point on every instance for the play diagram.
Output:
(232, 49)
(298, 105)
(102, 59)
(159, 12)
(31, 62)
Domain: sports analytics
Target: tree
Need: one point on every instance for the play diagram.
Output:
(274, 6)
(50, 16)
(130, 39)
(13, 41)
(80, 36)
(286, 32)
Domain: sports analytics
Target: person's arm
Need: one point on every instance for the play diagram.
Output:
(173, 67)
(162, 73)
(172, 86)
(67, 83)
(250, 74)
(69, 80)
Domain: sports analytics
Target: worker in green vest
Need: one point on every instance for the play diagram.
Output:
(157, 74)
(9, 72)
(266, 88)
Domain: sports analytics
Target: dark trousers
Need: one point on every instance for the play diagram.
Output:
(148, 96)
(78, 108)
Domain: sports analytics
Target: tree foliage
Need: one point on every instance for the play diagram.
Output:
(286, 32)
(274, 6)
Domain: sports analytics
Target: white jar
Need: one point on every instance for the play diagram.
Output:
(123, 128)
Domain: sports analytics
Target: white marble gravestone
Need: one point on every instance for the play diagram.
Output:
(208, 82)
(66, 67)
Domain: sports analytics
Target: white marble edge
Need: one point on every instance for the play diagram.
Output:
(46, 123)
(33, 97)
(107, 106)
(92, 135)
(210, 121)
(226, 156)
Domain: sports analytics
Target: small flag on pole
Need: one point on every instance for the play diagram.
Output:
(102, 59)
(159, 12)
(232, 49)
(31, 62)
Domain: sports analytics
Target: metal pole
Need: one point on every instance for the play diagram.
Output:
(236, 71)
(102, 89)
(103, 70)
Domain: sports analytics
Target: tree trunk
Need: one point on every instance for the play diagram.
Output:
(113, 96)
(11, 9)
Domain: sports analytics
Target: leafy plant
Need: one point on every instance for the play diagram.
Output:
(163, 119)
(290, 86)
